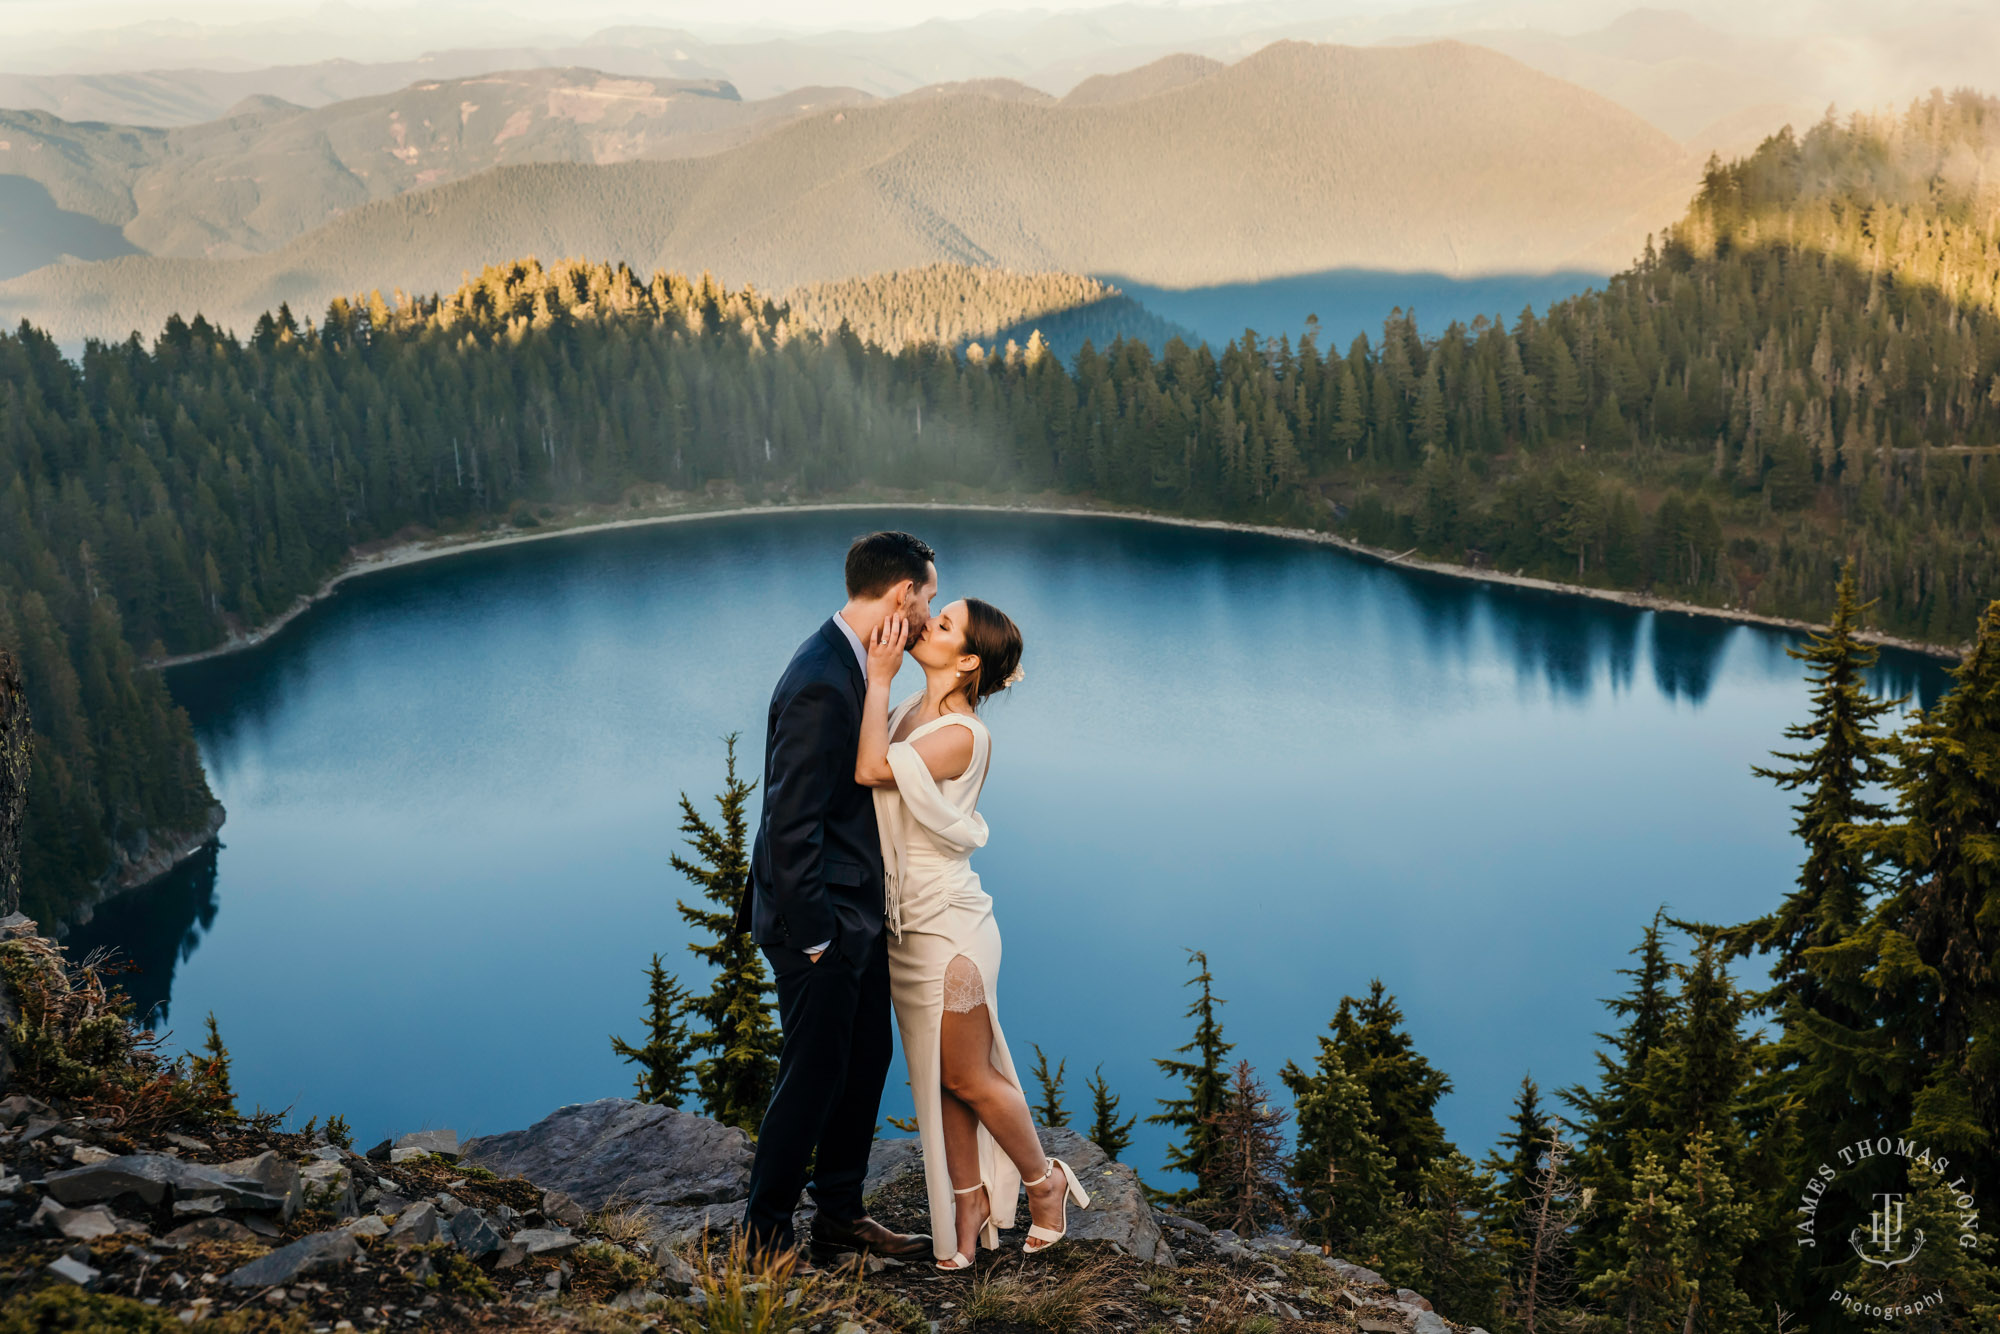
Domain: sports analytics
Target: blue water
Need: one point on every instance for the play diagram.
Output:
(451, 794)
(1346, 302)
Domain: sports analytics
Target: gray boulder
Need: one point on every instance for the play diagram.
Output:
(1179, 1224)
(890, 1160)
(72, 1270)
(473, 1234)
(92, 1223)
(547, 1240)
(331, 1185)
(562, 1209)
(1352, 1273)
(279, 1174)
(1118, 1211)
(443, 1143)
(149, 1176)
(676, 1274)
(616, 1148)
(199, 1204)
(18, 1107)
(415, 1226)
(307, 1255)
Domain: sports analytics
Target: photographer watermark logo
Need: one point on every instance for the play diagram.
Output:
(1886, 1239)
(1885, 1234)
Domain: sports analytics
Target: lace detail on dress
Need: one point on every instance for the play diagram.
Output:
(964, 989)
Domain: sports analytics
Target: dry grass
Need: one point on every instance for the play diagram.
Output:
(620, 1222)
(1079, 1300)
(754, 1296)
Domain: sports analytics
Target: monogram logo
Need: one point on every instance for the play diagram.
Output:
(1891, 1237)
(1885, 1234)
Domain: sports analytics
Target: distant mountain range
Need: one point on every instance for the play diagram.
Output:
(270, 171)
(1300, 159)
(1707, 72)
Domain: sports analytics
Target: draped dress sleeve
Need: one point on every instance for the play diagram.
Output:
(951, 822)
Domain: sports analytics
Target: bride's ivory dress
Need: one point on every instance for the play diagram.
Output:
(944, 946)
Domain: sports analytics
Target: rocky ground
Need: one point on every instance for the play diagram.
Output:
(258, 1229)
(135, 1200)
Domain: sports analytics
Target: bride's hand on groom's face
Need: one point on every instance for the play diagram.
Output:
(885, 649)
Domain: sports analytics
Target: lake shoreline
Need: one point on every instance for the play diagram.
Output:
(402, 554)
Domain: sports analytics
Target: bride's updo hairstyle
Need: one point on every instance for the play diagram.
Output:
(997, 640)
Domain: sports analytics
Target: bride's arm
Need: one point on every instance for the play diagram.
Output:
(885, 655)
(947, 752)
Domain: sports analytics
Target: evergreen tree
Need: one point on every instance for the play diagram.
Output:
(1844, 760)
(1619, 1121)
(1820, 1006)
(1441, 1242)
(1516, 1159)
(214, 1070)
(1716, 1230)
(1340, 1172)
(1049, 1111)
(1513, 1167)
(1949, 1285)
(1401, 1086)
(1646, 1290)
(740, 1032)
(1106, 1130)
(15, 734)
(1206, 1082)
(1929, 948)
(665, 1060)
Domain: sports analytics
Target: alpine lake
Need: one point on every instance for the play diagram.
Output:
(453, 791)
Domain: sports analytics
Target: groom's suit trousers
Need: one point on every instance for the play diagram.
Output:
(835, 1017)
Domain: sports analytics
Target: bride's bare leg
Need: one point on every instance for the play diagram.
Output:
(965, 1051)
(961, 1159)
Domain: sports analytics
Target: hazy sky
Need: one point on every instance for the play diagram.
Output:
(91, 36)
(520, 16)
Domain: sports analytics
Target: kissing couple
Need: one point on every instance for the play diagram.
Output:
(862, 892)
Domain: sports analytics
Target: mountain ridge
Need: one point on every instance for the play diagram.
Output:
(272, 170)
(1451, 158)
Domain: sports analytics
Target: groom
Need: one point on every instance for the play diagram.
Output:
(816, 908)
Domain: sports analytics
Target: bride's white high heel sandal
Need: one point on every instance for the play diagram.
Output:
(1048, 1237)
(989, 1235)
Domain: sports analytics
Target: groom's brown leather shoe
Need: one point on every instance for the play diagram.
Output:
(865, 1236)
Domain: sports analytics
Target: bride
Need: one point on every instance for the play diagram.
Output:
(926, 760)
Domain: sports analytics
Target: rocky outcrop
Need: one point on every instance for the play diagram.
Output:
(138, 859)
(150, 1177)
(1118, 1213)
(616, 1150)
(308, 1255)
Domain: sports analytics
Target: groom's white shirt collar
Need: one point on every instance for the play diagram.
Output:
(860, 653)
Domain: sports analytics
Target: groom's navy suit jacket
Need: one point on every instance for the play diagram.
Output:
(816, 868)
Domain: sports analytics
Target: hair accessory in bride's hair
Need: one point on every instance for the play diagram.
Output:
(1013, 678)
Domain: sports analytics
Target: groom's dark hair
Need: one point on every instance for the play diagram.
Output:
(878, 562)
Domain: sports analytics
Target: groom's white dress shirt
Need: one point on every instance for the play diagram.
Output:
(860, 656)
